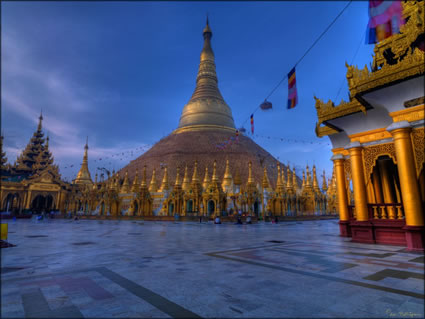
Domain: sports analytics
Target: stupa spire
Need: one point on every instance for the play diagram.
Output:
(206, 108)
(186, 181)
(206, 179)
(178, 184)
(135, 185)
(153, 186)
(227, 179)
(165, 185)
(83, 176)
(125, 188)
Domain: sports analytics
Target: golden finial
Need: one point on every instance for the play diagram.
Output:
(308, 177)
(186, 182)
(294, 179)
(125, 188)
(214, 177)
(265, 182)
(206, 179)
(177, 184)
(195, 177)
(303, 184)
(279, 178)
(283, 176)
(315, 181)
(165, 184)
(227, 179)
(324, 186)
(153, 186)
(289, 178)
(83, 176)
(250, 178)
(135, 185)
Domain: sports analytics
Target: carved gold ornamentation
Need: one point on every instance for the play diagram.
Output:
(411, 114)
(418, 147)
(370, 136)
(410, 62)
(328, 111)
(415, 102)
(324, 130)
(371, 153)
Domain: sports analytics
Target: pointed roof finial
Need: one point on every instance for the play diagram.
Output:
(40, 119)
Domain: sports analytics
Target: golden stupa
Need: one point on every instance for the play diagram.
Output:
(206, 120)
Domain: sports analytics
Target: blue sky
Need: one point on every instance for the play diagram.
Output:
(121, 73)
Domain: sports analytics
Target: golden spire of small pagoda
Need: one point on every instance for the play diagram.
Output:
(206, 179)
(186, 181)
(153, 187)
(83, 176)
(214, 177)
(265, 183)
(116, 182)
(177, 184)
(95, 181)
(40, 119)
(283, 176)
(251, 180)
(125, 187)
(303, 184)
(165, 185)
(279, 178)
(135, 185)
(315, 181)
(294, 179)
(195, 177)
(227, 179)
(308, 177)
(289, 185)
(144, 183)
(324, 186)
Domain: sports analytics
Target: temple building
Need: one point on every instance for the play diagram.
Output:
(378, 140)
(184, 174)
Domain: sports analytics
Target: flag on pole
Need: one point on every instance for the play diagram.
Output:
(385, 19)
(252, 123)
(292, 90)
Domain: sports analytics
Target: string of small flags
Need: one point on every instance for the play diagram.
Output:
(231, 140)
(291, 140)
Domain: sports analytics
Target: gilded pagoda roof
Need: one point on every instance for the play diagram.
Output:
(206, 109)
(395, 59)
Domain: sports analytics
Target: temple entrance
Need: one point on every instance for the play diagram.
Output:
(42, 204)
(211, 207)
(256, 210)
(135, 208)
(189, 206)
(11, 203)
(170, 208)
(102, 209)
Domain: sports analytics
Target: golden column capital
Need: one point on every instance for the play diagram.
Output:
(407, 173)
(359, 186)
(338, 160)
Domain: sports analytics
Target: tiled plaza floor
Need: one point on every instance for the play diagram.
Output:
(109, 269)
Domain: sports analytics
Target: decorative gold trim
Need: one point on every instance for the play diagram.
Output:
(324, 130)
(409, 63)
(371, 153)
(370, 136)
(415, 113)
(203, 127)
(415, 102)
(418, 148)
(328, 111)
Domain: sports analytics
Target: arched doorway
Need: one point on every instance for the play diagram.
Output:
(256, 210)
(42, 204)
(11, 203)
(211, 207)
(170, 208)
(102, 209)
(189, 206)
(135, 208)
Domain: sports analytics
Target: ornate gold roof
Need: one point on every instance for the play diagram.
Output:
(395, 58)
(206, 109)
